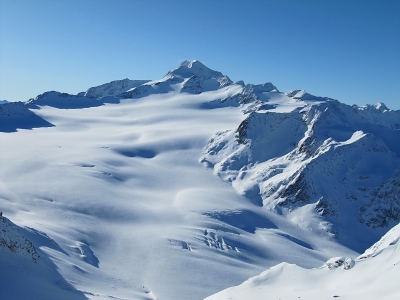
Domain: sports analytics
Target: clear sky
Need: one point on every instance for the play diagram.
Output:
(343, 49)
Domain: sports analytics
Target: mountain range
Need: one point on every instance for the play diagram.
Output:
(181, 187)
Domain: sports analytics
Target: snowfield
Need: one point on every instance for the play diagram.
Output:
(181, 187)
(374, 275)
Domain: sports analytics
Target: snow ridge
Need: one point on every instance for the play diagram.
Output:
(11, 239)
(113, 88)
(339, 277)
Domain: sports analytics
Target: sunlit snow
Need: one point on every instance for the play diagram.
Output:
(140, 190)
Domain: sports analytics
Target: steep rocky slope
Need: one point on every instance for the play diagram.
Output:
(324, 158)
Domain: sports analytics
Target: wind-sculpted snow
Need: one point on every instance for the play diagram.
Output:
(114, 194)
(245, 220)
(373, 275)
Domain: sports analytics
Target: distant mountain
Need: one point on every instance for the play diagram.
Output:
(67, 101)
(113, 88)
(94, 96)
(16, 115)
(3, 101)
(191, 77)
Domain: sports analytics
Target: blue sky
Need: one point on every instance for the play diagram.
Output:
(347, 50)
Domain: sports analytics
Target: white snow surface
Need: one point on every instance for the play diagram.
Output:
(111, 190)
(374, 275)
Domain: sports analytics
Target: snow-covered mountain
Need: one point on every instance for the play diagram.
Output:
(322, 158)
(191, 77)
(194, 181)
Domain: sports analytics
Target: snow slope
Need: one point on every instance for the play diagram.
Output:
(26, 271)
(373, 275)
(115, 181)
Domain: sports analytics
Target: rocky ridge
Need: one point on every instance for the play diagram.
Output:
(13, 240)
(324, 155)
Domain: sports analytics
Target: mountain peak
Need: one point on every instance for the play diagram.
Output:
(190, 68)
(192, 64)
(380, 107)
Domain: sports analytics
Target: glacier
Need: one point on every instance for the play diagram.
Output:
(181, 187)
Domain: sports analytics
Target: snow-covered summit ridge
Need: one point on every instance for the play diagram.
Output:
(190, 76)
(113, 88)
(381, 107)
(303, 95)
(193, 68)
